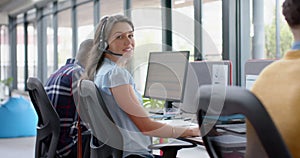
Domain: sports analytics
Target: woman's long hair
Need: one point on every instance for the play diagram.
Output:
(96, 54)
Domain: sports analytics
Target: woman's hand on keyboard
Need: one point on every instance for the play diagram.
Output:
(192, 131)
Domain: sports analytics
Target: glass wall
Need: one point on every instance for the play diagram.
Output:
(20, 56)
(272, 50)
(31, 55)
(85, 22)
(50, 45)
(64, 45)
(32, 50)
(147, 20)
(4, 53)
(183, 27)
(212, 30)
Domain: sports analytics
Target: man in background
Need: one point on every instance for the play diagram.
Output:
(60, 92)
(278, 88)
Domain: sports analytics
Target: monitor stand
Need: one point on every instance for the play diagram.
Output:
(169, 109)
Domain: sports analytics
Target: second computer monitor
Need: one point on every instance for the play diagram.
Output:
(253, 68)
(166, 75)
(202, 73)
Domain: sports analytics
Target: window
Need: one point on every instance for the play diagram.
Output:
(212, 30)
(85, 22)
(50, 45)
(32, 50)
(64, 37)
(147, 20)
(4, 53)
(286, 37)
(20, 56)
(183, 26)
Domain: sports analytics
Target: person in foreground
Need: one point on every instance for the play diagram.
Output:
(59, 91)
(113, 46)
(278, 88)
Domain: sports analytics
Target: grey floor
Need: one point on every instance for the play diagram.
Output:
(17, 147)
(20, 147)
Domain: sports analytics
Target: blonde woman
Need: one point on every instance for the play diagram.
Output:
(113, 45)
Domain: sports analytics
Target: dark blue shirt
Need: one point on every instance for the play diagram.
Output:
(296, 45)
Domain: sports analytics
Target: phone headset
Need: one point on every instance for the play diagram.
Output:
(103, 44)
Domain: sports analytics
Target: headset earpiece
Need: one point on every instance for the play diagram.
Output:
(103, 43)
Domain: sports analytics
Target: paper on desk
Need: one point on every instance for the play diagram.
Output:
(250, 79)
(179, 122)
(220, 74)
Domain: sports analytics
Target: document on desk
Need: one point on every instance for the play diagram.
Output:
(220, 74)
(250, 79)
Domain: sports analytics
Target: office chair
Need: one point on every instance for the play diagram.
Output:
(107, 140)
(92, 110)
(217, 100)
(48, 127)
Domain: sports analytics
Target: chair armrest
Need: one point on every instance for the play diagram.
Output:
(170, 149)
(195, 140)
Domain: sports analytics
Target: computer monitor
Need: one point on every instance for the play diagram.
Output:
(166, 76)
(253, 68)
(201, 73)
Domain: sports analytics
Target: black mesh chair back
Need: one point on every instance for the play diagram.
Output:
(107, 140)
(48, 127)
(218, 102)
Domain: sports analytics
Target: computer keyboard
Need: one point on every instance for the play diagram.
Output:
(179, 122)
(157, 112)
(236, 128)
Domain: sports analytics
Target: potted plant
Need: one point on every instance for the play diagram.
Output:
(7, 85)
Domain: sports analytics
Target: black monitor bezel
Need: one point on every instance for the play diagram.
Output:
(184, 79)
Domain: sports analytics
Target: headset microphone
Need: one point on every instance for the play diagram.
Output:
(110, 52)
(103, 45)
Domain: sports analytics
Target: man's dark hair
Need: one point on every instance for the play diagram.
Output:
(291, 12)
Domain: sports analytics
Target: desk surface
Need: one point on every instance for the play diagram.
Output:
(196, 152)
(196, 140)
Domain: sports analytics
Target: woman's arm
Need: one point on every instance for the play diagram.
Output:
(127, 100)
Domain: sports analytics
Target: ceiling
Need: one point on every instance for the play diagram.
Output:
(14, 7)
(3, 3)
(9, 7)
